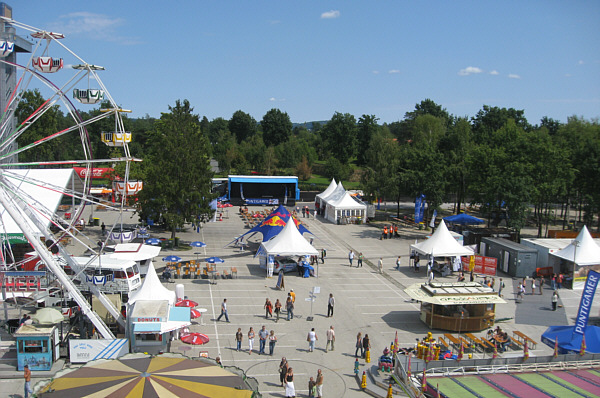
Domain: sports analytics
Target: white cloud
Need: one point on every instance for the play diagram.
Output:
(273, 99)
(330, 14)
(580, 62)
(375, 72)
(513, 76)
(94, 26)
(393, 71)
(494, 72)
(469, 70)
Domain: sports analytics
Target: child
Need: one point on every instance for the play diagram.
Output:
(312, 388)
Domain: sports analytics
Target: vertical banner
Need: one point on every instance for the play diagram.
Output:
(432, 223)
(242, 191)
(422, 210)
(585, 305)
(418, 209)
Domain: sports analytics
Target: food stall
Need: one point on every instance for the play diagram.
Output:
(37, 346)
(456, 306)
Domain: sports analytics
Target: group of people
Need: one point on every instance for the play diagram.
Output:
(286, 378)
(363, 344)
(263, 336)
(389, 231)
(499, 338)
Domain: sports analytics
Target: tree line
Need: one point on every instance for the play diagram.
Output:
(496, 159)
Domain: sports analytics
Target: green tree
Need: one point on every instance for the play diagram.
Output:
(382, 161)
(492, 118)
(339, 136)
(242, 125)
(367, 127)
(276, 127)
(178, 175)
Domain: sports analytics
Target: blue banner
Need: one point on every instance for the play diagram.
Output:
(585, 304)
(257, 201)
(418, 209)
(422, 211)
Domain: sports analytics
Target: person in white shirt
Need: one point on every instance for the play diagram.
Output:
(311, 338)
(330, 304)
(330, 338)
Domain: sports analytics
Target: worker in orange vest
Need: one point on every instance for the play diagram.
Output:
(385, 232)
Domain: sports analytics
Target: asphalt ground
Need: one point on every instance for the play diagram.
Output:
(366, 301)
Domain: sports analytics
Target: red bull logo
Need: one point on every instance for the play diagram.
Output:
(274, 221)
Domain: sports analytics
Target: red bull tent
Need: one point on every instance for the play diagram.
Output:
(273, 224)
(289, 242)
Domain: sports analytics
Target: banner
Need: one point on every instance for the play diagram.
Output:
(257, 201)
(585, 305)
(432, 222)
(422, 210)
(418, 215)
(483, 265)
(82, 351)
(97, 172)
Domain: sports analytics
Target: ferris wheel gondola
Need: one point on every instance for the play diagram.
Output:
(89, 95)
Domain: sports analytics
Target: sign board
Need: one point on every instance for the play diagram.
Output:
(22, 281)
(83, 351)
(483, 265)
(316, 290)
(258, 201)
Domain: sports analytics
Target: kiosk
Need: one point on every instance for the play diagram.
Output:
(456, 306)
(37, 347)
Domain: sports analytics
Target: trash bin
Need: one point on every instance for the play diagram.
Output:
(96, 222)
(67, 216)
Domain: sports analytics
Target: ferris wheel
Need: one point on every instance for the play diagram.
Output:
(43, 138)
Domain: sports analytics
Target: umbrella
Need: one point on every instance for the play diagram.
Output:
(172, 259)
(186, 303)
(153, 241)
(214, 260)
(136, 375)
(194, 313)
(195, 338)
(198, 244)
(47, 316)
(463, 219)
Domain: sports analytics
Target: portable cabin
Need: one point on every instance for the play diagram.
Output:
(515, 259)
(109, 275)
(37, 346)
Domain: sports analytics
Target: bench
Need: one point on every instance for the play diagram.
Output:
(443, 343)
(452, 340)
(476, 341)
(521, 338)
(233, 272)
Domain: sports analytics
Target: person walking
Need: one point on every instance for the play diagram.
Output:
(559, 281)
(272, 341)
(290, 390)
(501, 286)
(293, 295)
(103, 228)
(238, 339)
(277, 309)
(312, 339)
(554, 300)
(262, 340)
(553, 282)
(330, 339)
(27, 376)
(283, 368)
(330, 304)
(289, 306)
(268, 308)
(398, 262)
(533, 286)
(360, 260)
(224, 311)
(323, 255)
(250, 340)
(541, 282)
(380, 265)
(366, 345)
(359, 345)
(319, 382)
(350, 257)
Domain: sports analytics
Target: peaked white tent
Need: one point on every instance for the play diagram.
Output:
(441, 244)
(288, 242)
(345, 206)
(582, 251)
(325, 193)
(152, 290)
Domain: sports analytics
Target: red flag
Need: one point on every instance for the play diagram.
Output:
(555, 347)
(583, 347)
(408, 370)
(424, 382)
(525, 351)
(396, 343)
(461, 351)
(495, 353)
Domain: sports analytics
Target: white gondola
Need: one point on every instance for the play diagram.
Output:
(42, 34)
(127, 188)
(47, 64)
(6, 47)
(88, 96)
(116, 138)
(88, 67)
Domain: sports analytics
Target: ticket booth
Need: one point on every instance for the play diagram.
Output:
(37, 347)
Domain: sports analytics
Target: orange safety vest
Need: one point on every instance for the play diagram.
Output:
(385, 230)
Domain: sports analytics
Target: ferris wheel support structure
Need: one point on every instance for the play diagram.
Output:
(52, 264)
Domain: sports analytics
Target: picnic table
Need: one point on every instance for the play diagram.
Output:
(522, 337)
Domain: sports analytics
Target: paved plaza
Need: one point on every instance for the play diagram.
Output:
(366, 301)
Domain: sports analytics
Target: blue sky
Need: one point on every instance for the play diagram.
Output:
(313, 58)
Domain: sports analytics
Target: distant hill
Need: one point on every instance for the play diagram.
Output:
(309, 125)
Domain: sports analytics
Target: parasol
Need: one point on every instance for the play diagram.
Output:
(172, 259)
(198, 244)
(138, 375)
(194, 313)
(186, 303)
(47, 316)
(194, 338)
(152, 241)
(214, 260)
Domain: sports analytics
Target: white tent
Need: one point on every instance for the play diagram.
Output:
(152, 290)
(337, 193)
(442, 244)
(288, 242)
(582, 251)
(325, 193)
(140, 253)
(345, 206)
